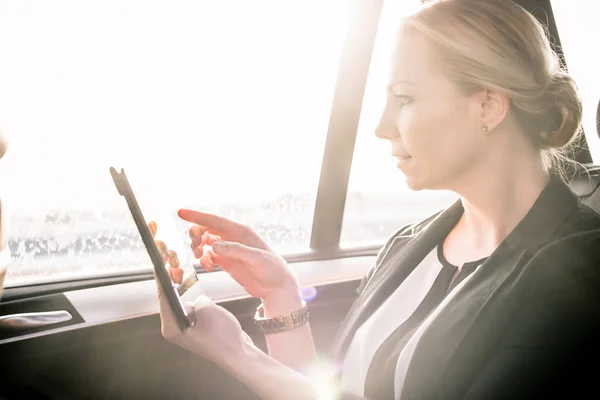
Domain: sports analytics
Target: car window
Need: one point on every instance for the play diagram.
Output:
(221, 106)
(579, 30)
(378, 201)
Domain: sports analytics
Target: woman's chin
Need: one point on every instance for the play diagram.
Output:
(417, 182)
(413, 183)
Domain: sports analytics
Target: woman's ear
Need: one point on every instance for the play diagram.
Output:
(494, 109)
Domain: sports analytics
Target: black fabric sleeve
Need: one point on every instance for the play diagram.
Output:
(552, 348)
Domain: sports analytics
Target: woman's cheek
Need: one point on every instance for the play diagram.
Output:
(408, 126)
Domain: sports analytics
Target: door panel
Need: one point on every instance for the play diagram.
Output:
(128, 358)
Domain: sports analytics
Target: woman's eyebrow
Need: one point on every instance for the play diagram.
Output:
(400, 82)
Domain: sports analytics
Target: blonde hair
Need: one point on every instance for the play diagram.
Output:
(498, 45)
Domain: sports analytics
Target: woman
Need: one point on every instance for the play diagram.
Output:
(494, 297)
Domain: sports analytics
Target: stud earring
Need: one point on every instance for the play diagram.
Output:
(485, 129)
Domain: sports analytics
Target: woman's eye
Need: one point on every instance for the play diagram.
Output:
(403, 100)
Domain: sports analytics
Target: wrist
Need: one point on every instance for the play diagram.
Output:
(282, 302)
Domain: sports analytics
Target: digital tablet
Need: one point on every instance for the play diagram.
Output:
(172, 291)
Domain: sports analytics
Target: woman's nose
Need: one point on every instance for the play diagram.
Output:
(387, 128)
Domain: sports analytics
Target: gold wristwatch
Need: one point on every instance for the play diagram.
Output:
(282, 323)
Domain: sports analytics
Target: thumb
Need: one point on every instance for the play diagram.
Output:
(234, 250)
(200, 302)
(194, 310)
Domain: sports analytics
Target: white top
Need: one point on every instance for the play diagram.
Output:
(395, 311)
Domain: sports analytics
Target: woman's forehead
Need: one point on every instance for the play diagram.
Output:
(413, 60)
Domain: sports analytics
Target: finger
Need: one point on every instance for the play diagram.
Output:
(173, 259)
(207, 263)
(236, 251)
(209, 239)
(176, 275)
(196, 232)
(215, 223)
(201, 302)
(217, 260)
(162, 246)
(153, 228)
(229, 265)
(163, 249)
(198, 251)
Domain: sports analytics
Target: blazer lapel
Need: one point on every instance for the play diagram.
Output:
(402, 257)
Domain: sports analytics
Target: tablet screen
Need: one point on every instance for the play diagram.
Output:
(169, 232)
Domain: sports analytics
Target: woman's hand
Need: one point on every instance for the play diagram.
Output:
(237, 249)
(216, 334)
(169, 256)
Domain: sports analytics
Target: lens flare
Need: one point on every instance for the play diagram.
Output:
(308, 293)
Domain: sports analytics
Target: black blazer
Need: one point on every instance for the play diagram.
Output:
(526, 324)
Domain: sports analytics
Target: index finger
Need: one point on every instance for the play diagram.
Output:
(153, 228)
(214, 223)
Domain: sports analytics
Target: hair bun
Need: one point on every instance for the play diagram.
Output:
(565, 111)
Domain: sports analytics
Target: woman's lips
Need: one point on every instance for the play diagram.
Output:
(402, 160)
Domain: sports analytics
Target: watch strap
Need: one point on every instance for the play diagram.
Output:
(282, 323)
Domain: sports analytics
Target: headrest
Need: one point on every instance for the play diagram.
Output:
(586, 181)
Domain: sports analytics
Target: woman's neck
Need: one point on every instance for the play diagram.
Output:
(497, 199)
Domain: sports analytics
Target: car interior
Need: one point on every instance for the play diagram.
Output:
(94, 332)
